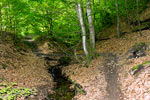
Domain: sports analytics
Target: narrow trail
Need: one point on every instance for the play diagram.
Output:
(111, 75)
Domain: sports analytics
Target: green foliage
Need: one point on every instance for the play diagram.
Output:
(10, 92)
(58, 19)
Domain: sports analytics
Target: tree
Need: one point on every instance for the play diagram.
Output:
(82, 24)
(126, 9)
(118, 19)
(138, 17)
(57, 19)
(91, 24)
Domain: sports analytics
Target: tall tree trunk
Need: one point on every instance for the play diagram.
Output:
(51, 19)
(15, 27)
(94, 7)
(118, 20)
(80, 16)
(7, 24)
(127, 13)
(91, 24)
(138, 17)
(51, 26)
(10, 19)
(50, 23)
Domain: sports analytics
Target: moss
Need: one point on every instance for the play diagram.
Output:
(136, 68)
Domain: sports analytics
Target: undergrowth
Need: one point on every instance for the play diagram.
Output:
(10, 91)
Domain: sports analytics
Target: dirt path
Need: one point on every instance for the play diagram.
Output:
(111, 69)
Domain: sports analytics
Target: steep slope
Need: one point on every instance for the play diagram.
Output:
(19, 65)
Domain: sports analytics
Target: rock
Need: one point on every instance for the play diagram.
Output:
(140, 53)
(137, 51)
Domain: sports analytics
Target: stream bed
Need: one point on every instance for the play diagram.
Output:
(62, 88)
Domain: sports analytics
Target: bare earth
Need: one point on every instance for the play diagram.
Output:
(24, 68)
(108, 76)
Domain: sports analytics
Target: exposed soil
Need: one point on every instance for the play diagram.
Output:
(62, 90)
(100, 80)
(108, 76)
(23, 67)
(110, 69)
(135, 87)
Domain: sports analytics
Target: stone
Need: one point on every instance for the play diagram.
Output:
(137, 51)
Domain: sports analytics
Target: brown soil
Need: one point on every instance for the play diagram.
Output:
(135, 87)
(111, 69)
(122, 45)
(106, 78)
(109, 79)
(21, 66)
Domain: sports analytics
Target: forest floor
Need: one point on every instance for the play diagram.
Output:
(19, 65)
(108, 77)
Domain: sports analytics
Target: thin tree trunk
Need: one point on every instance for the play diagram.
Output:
(10, 19)
(50, 23)
(7, 25)
(80, 16)
(118, 20)
(138, 17)
(91, 24)
(127, 13)
(15, 26)
(94, 7)
(10, 24)
(51, 26)
(104, 2)
(51, 19)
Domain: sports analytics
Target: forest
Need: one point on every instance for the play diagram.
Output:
(74, 49)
